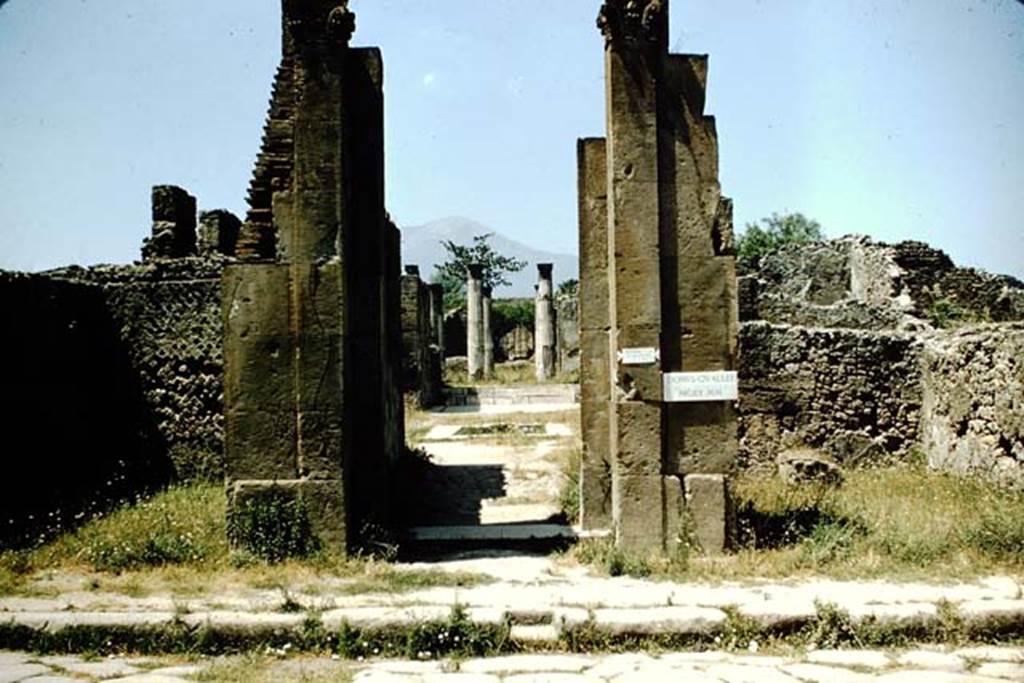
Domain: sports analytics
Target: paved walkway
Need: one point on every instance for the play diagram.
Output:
(542, 598)
(992, 664)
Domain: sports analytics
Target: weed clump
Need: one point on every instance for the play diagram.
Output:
(272, 525)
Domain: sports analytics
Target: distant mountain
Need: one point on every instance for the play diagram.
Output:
(421, 246)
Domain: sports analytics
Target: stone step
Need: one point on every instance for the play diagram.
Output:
(508, 395)
(492, 532)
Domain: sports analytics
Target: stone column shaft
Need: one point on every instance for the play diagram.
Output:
(544, 323)
(437, 316)
(488, 333)
(475, 323)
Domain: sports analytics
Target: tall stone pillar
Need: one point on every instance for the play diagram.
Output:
(544, 323)
(475, 322)
(488, 333)
(595, 386)
(437, 317)
(301, 420)
(672, 305)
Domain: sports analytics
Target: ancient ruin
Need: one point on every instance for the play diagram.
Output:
(273, 352)
(310, 361)
(669, 380)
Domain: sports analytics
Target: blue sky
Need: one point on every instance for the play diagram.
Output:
(898, 119)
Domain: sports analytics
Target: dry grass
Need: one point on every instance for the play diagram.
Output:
(899, 522)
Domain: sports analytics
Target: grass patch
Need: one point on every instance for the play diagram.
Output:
(176, 542)
(897, 522)
(457, 637)
(180, 526)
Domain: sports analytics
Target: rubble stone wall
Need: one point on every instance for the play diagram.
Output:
(973, 402)
(111, 386)
(858, 283)
(166, 316)
(854, 394)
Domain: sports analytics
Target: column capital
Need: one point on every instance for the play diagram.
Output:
(475, 271)
(545, 270)
(319, 21)
(634, 23)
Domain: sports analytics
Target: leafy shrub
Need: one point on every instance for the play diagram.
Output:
(273, 525)
(779, 230)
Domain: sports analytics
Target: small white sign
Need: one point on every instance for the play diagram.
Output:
(647, 355)
(694, 387)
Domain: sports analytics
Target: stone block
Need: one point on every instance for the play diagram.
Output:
(321, 445)
(595, 428)
(700, 438)
(676, 522)
(594, 366)
(707, 497)
(638, 513)
(595, 497)
(639, 438)
(261, 444)
(258, 353)
(637, 292)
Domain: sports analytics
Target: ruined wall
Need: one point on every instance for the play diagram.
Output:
(78, 435)
(858, 283)
(851, 358)
(973, 402)
(854, 394)
(166, 315)
(421, 356)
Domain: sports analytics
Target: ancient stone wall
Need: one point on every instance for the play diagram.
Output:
(421, 355)
(166, 316)
(858, 283)
(972, 417)
(848, 358)
(82, 432)
(854, 394)
(567, 334)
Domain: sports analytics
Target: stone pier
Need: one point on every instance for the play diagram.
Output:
(174, 224)
(488, 333)
(475, 322)
(309, 365)
(671, 295)
(437, 317)
(544, 323)
(595, 386)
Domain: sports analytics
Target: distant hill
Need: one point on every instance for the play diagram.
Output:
(421, 245)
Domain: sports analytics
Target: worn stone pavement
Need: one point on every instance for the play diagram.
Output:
(542, 597)
(993, 664)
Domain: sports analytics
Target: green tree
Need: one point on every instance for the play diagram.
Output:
(778, 230)
(569, 287)
(452, 274)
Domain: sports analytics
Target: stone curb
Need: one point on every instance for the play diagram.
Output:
(529, 629)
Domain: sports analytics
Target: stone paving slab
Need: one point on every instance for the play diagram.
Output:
(847, 666)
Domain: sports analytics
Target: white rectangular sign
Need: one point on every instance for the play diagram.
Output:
(693, 387)
(647, 355)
